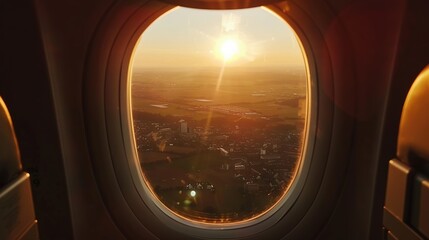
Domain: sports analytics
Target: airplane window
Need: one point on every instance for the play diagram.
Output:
(219, 106)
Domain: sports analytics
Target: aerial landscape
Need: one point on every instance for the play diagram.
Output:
(219, 105)
(224, 154)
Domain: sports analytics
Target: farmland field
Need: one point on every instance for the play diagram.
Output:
(182, 92)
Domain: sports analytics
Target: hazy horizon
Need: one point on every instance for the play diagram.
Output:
(186, 37)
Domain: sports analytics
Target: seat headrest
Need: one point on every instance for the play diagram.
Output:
(413, 137)
(10, 162)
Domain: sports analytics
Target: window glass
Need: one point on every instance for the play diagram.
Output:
(219, 107)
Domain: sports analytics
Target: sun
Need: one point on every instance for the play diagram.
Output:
(229, 48)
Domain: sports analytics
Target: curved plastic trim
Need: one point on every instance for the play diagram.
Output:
(312, 196)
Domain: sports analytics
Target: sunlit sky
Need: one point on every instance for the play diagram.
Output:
(185, 37)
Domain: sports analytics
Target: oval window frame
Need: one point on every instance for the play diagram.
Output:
(106, 108)
(286, 200)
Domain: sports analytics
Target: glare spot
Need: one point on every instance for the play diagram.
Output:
(230, 22)
(193, 193)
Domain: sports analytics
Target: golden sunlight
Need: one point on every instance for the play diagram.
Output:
(229, 48)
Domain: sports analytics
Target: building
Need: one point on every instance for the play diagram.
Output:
(183, 126)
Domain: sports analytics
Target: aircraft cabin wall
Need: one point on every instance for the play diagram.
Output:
(365, 55)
